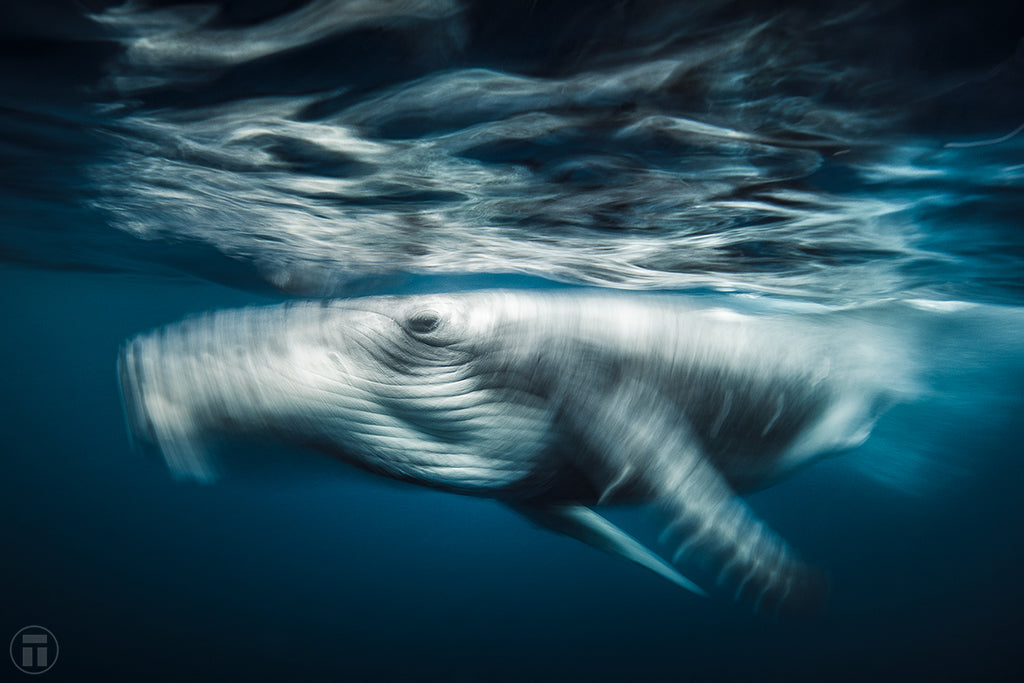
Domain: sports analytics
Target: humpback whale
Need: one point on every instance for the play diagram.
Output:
(554, 403)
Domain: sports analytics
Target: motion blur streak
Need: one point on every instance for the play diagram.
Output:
(546, 401)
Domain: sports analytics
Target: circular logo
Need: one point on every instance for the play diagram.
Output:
(34, 650)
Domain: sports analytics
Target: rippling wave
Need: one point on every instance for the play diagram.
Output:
(710, 146)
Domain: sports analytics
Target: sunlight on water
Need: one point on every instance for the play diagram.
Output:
(680, 166)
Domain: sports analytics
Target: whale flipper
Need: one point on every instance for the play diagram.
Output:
(583, 524)
(643, 443)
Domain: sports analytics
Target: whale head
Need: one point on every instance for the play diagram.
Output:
(407, 387)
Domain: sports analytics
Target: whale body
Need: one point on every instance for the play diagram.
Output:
(551, 402)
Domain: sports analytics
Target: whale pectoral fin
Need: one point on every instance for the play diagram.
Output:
(641, 441)
(583, 524)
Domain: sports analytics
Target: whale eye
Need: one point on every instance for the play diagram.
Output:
(424, 321)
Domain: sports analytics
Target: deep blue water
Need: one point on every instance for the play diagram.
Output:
(158, 165)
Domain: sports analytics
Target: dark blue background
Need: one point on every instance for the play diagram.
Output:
(318, 573)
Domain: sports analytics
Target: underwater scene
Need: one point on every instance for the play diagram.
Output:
(521, 340)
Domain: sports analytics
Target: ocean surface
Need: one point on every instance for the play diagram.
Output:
(162, 159)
